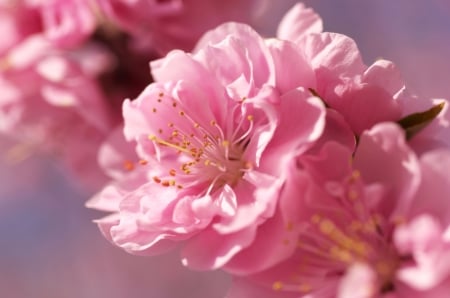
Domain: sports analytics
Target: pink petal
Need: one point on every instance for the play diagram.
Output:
(257, 196)
(210, 250)
(243, 48)
(432, 195)
(291, 68)
(358, 282)
(302, 123)
(385, 74)
(274, 243)
(298, 22)
(422, 238)
(364, 105)
(333, 57)
(383, 145)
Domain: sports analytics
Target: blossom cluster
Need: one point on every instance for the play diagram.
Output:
(67, 65)
(286, 161)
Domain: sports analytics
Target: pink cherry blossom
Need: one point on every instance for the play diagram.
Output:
(51, 99)
(80, 62)
(68, 23)
(165, 25)
(363, 95)
(377, 227)
(215, 134)
(56, 110)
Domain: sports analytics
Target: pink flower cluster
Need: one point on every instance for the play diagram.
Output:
(67, 65)
(286, 162)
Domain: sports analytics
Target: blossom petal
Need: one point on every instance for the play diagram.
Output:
(291, 67)
(359, 281)
(209, 250)
(422, 238)
(385, 144)
(298, 22)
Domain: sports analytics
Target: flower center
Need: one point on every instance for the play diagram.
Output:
(199, 152)
(343, 233)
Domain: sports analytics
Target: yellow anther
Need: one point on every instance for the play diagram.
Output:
(168, 144)
(248, 165)
(356, 174)
(326, 226)
(128, 165)
(315, 218)
(250, 117)
(225, 143)
(356, 225)
(344, 256)
(360, 248)
(278, 285)
(289, 226)
(304, 287)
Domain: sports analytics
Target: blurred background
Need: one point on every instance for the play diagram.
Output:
(50, 248)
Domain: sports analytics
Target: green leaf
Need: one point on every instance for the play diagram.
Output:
(415, 122)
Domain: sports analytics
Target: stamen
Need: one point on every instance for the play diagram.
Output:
(160, 141)
(246, 133)
(128, 165)
(277, 286)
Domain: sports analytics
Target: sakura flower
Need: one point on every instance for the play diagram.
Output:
(41, 114)
(165, 25)
(81, 62)
(216, 133)
(68, 23)
(51, 102)
(365, 230)
(364, 95)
